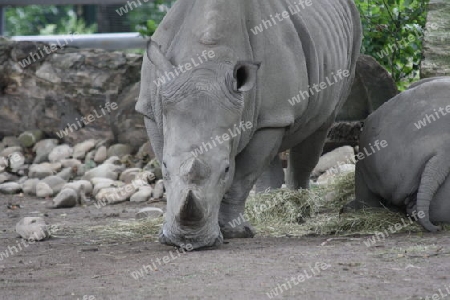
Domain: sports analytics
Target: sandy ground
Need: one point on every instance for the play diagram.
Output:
(84, 266)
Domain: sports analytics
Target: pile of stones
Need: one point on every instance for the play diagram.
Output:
(72, 174)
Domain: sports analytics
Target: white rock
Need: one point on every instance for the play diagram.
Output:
(97, 180)
(149, 213)
(76, 185)
(66, 174)
(10, 150)
(23, 170)
(103, 185)
(43, 190)
(115, 195)
(40, 171)
(69, 163)
(330, 176)
(104, 171)
(158, 191)
(43, 149)
(144, 194)
(11, 141)
(32, 229)
(145, 151)
(339, 156)
(56, 166)
(5, 177)
(22, 180)
(16, 160)
(3, 163)
(129, 175)
(119, 150)
(55, 183)
(60, 152)
(113, 160)
(106, 196)
(81, 170)
(29, 186)
(100, 155)
(10, 188)
(65, 199)
(89, 159)
(80, 150)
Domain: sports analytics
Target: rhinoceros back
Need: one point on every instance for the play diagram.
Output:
(303, 50)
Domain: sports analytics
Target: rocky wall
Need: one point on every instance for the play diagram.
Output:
(436, 47)
(51, 90)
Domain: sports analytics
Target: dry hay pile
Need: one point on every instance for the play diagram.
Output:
(285, 213)
(317, 212)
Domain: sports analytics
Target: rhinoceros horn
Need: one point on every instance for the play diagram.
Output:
(155, 55)
(191, 211)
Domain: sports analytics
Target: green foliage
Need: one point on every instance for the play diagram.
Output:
(393, 32)
(393, 29)
(71, 24)
(147, 19)
(148, 28)
(41, 20)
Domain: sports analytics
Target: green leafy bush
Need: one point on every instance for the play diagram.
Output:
(43, 20)
(393, 32)
(393, 29)
(147, 19)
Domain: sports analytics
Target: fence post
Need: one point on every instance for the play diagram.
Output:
(2, 20)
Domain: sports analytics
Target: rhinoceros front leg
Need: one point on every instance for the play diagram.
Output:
(249, 165)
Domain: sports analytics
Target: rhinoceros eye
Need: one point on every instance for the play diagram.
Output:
(164, 164)
(227, 169)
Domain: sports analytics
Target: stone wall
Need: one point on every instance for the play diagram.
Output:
(50, 91)
(436, 49)
(55, 92)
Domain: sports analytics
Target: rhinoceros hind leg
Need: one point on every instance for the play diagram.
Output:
(304, 157)
(245, 230)
(272, 178)
(364, 196)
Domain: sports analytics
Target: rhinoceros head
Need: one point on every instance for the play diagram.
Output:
(199, 109)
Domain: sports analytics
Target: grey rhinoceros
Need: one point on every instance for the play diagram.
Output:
(409, 171)
(227, 85)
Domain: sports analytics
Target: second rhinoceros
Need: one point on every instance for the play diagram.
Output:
(228, 84)
(410, 170)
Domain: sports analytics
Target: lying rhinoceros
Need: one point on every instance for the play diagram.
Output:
(410, 169)
(228, 84)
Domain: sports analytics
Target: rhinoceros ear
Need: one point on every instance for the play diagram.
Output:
(155, 55)
(245, 74)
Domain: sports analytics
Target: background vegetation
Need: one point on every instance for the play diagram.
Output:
(42, 20)
(393, 32)
(393, 29)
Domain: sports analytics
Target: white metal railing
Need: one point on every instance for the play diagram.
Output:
(107, 41)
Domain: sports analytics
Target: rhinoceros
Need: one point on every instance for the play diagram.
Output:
(409, 171)
(226, 85)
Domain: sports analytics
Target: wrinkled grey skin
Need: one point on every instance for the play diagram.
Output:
(411, 173)
(250, 79)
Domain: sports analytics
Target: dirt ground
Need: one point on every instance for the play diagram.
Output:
(71, 265)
